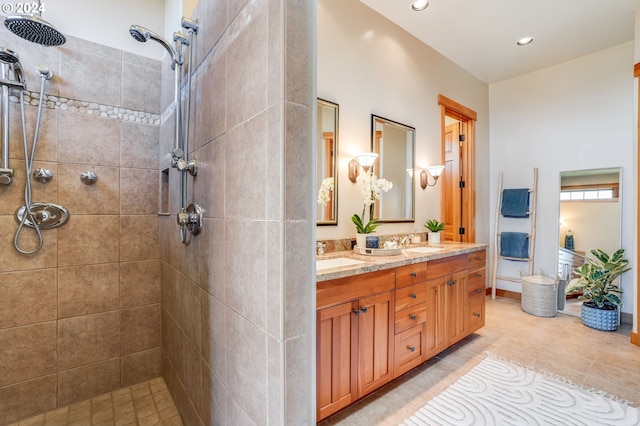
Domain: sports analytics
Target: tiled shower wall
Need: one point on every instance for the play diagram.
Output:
(238, 300)
(82, 316)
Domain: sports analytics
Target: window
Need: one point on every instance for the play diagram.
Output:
(589, 192)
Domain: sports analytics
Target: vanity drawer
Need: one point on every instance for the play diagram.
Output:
(340, 290)
(411, 274)
(410, 317)
(475, 315)
(410, 296)
(447, 265)
(410, 348)
(476, 283)
(477, 259)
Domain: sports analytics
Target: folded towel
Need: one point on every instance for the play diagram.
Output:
(515, 203)
(514, 244)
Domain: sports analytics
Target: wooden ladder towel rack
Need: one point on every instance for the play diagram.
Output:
(531, 236)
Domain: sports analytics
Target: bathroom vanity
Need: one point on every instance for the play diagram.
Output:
(381, 316)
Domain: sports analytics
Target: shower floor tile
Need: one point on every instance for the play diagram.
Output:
(148, 403)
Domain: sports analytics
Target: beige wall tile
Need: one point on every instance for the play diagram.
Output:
(296, 170)
(139, 145)
(25, 399)
(209, 188)
(87, 289)
(94, 77)
(214, 335)
(211, 267)
(88, 381)
(140, 366)
(138, 238)
(88, 240)
(46, 150)
(139, 191)
(99, 138)
(141, 87)
(297, 41)
(14, 261)
(87, 339)
(139, 283)
(27, 297)
(101, 198)
(140, 329)
(27, 352)
(214, 13)
(210, 116)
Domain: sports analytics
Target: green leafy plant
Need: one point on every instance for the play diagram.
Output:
(434, 226)
(361, 227)
(596, 276)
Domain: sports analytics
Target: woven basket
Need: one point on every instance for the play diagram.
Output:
(539, 296)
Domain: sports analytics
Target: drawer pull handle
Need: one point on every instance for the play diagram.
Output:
(414, 274)
(413, 317)
(412, 348)
(475, 314)
(413, 295)
(478, 290)
(479, 258)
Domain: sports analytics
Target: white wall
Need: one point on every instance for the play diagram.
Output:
(573, 116)
(368, 66)
(595, 224)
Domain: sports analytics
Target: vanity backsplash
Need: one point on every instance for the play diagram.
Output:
(347, 244)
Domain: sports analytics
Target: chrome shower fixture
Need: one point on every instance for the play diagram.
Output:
(33, 28)
(143, 34)
(44, 72)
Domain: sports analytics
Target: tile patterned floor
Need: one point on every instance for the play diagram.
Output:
(561, 345)
(144, 404)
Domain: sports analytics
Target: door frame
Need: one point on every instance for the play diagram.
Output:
(468, 117)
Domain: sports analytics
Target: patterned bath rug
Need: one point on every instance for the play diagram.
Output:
(500, 392)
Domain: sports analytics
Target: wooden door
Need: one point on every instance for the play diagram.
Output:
(335, 359)
(375, 342)
(452, 193)
(435, 324)
(455, 302)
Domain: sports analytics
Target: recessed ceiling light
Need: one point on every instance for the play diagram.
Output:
(419, 5)
(524, 41)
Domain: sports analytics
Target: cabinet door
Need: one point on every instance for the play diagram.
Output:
(335, 369)
(455, 302)
(435, 322)
(375, 342)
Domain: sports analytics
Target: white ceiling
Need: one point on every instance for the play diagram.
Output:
(480, 35)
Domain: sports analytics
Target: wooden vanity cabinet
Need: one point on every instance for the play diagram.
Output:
(354, 352)
(476, 291)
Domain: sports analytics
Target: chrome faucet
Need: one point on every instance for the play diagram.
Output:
(320, 248)
(406, 240)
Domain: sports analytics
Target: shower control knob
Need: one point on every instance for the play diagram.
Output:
(43, 175)
(88, 177)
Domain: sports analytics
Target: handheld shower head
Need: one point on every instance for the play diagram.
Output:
(143, 34)
(8, 56)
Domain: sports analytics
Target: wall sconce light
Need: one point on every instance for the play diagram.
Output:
(365, 160)
(434, 172)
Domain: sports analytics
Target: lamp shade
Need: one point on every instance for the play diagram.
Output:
(366, 159)
(435, 171)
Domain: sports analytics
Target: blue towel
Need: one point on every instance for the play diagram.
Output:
(515, 203)
(514, 244)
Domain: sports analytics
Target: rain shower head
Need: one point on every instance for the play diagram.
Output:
(34, 29)
(143, 34)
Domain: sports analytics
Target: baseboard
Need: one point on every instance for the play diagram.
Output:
(626, 318)
(634, 339)
(507, 294)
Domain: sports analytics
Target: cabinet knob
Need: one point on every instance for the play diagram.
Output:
(364, 309)
(414, 274)
(479, 274)
(478, 290)
(413, 295)
(452, 282)
(479, 258)
(476, 314)
(412, 348)
(413, 317)
(357, 312)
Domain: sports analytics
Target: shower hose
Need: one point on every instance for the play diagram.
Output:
(28, 162)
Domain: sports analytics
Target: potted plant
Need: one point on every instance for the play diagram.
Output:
(596, 281)
(371, 188)
(434, 227)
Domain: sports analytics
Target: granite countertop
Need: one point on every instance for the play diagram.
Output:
(378, 263)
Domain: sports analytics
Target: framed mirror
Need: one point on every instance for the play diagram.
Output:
(395, 145)
(326, 167)
(590, 217)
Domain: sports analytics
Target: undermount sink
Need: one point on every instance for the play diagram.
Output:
(337, 262)
(424, 249)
